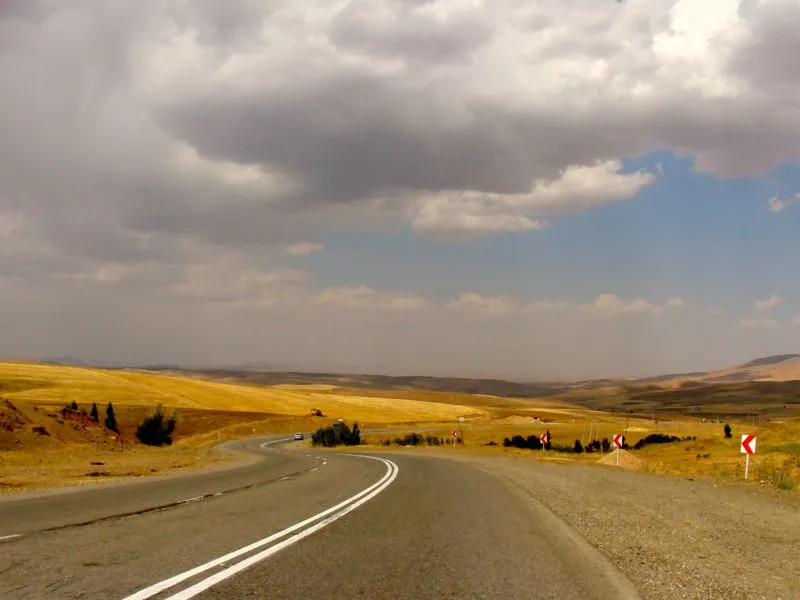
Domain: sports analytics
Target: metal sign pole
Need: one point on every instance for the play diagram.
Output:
(746, 465)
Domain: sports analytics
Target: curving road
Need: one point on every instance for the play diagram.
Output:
(293, 524)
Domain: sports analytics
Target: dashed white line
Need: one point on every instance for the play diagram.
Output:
(285, 478)
(315, 468)
(307, 527)
(10, 537)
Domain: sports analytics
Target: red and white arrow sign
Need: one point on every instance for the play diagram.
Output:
(748, 444)
(543, 439)
(618, 440)
(454, 435)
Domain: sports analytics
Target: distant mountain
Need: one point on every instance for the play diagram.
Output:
(770, 360)
(69, 361)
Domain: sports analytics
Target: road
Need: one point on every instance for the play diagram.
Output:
(297, 524)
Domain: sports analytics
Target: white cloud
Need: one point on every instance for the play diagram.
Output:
(676, 302)
(578, 188)
(303, 249)
(366, 298)
(473, 304)
(611, 304)
(767, 304)
(757, 323)
(777, 204)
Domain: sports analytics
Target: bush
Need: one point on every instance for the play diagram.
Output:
(532, 442)
(338, 434)
(728, 433)
(657, 438)
(157, 429)
(74, 405)
(593, 446)
(95, 415)
(578, 447)
(605, 445)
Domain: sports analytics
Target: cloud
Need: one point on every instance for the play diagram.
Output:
(676, 302)
(795, 320)
(303, 249)
(363, 297)
(611, 304)
(472, 304)
(777, 204)
(186, 145)
(757, 323)
(767, 304)
(577, 188)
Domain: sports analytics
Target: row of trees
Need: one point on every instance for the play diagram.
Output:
(155, 430)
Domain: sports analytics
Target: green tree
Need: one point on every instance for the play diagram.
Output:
(157, 429)
(578, 448)
(111, 419)
(94, 414)
(728, 431)
(74, 405)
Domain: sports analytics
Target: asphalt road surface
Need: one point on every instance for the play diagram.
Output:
(295, 524)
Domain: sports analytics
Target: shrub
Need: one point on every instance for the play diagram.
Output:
(157, 429)
(727, 430)
(111, 419)
(94, 414)
(578, 447)
(593, 446)
(605, 445)
(657, 438)
(338, 434)
(74, 405)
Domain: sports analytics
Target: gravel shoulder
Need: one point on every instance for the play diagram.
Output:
(673, 538)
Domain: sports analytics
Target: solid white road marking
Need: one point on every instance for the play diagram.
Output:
(343, 508)
(265, 444)
(203, 585)
(10, 537)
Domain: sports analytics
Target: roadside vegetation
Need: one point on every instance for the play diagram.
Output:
(157, 428)
(338, 434)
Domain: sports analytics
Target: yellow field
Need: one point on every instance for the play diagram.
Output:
(47, 383)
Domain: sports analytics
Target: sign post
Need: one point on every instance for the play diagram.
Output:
(618, 443)
(455, 435)
(747, 447)
(543, 440)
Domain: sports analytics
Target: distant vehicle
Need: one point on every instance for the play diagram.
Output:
(298, 436)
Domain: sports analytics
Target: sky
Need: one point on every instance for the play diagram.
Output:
(528, 190)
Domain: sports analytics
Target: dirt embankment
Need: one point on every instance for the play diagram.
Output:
(673, 538)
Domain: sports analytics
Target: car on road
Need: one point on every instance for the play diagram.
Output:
(298, 436)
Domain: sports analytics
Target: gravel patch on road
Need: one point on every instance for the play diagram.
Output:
(672, 537)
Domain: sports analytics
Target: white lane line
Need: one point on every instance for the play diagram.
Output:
(315, 468)
(265, 444)
(10, 537)
(203, 585)
(284, 478)
(159, 587)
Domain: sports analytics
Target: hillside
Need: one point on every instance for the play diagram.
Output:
(56, 384)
